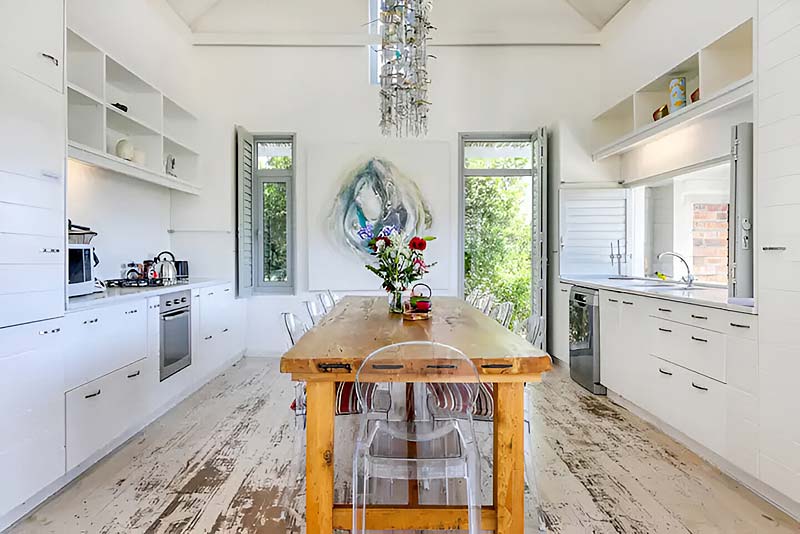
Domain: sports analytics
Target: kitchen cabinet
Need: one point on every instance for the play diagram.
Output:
(559, 324)
(612, 359)
(102, 410)
(32, 39)
(32, 414)
(104, 339)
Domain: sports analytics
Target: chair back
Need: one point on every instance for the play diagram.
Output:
(473, 297)
(535, 331)
(315, 311)
(334, 297)
(410, 372)
(484, 303)
(502, 313)
(327, 301)
(295, 327)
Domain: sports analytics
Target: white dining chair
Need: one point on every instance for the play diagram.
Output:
(502, 313)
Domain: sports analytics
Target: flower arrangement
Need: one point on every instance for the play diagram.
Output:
(399, 264)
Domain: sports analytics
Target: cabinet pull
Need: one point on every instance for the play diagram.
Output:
(613, 300)
(667, 330)
(225, 330)
(50, 250)
(90, 395)
(208, 337)
(701, 388)
(130, 312)
(773, 249)
(53, 175)
(210, 293)
(737, 325)
(565, 290)
(665, 310)
(702, 317)
(134, 375)
(51, 58)
(629, 303)
(663, 372)
(228, 289)
(90, 321)
(46, 332)
(701, 340)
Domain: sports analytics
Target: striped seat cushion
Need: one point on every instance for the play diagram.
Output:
(455, 398)
(346, 399)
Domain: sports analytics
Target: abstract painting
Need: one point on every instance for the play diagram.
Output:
(375, 199)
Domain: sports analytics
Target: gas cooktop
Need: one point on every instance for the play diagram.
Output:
(154, 282)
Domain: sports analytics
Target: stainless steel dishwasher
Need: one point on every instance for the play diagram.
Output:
(584, 339)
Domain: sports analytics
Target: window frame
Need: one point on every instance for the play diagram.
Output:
(260, 178)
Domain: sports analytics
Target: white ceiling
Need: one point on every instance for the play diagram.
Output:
(295, 15)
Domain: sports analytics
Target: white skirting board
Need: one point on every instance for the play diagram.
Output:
(747, 480)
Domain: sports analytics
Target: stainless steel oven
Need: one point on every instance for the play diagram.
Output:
(176, 333)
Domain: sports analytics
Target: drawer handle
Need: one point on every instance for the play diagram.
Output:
(90, 321)
(663, 372)
(665, 310)
(613, 300)
(211, 293)
(497, 366)
(46, 332)
(736, 325)
(50, 174)
(701, 340)
(667, 330)
(91, 395)
(773, 249)
(131, 312)
(228, 289)
(703, 317)
(224, 330)
(701, 388)
(51, 58)
(208, 337)
(565, 290)
(134, 375)
(629, 303)
(50, 250)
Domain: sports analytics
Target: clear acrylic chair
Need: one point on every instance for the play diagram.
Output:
(409, 443)
(334, 297)
(327, 301)
(315, 311)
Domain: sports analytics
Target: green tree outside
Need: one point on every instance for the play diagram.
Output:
(275, 224)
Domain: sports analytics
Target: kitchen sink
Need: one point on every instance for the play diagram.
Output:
(670, 287)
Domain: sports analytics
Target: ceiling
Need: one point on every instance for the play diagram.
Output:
(206, 15)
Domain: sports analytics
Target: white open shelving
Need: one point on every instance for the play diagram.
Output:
(723, 71)
(98, 88)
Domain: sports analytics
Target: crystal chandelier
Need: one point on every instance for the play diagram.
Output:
(405, 30)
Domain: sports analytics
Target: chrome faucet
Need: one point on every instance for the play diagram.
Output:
(689, 278)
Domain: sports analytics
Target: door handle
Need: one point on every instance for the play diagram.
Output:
(701, 388)
(208, 337)
(51, 58)
(92, 395)
(134, 375)
(663, 372)
(53, 175)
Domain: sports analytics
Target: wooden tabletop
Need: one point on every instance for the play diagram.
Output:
(357, 326)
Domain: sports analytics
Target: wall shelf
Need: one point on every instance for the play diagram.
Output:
(154, 124)
(722, 71)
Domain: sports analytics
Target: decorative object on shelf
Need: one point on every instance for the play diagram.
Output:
(121, 107)
(403, 57)
(375, 201)
(169, 165)
(125, 149)
(140, 157)
(677, 93)
(695, 96)
(661, 112)
(399, 263)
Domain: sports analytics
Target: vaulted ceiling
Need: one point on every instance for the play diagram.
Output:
(280, 16)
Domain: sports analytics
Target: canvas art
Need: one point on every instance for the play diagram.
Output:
(376, 199)
(357, 191)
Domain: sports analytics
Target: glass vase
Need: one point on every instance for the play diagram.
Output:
(396, 301)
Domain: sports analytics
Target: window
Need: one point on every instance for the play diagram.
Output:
(374, 49)
(265, 212)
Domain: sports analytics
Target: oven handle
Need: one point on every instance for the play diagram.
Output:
(174, 316)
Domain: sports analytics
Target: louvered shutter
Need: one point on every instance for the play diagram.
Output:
(244, 185)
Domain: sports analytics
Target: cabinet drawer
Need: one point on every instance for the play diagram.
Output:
(18, 249)
(702, 351)
(22, 279)
(16, 308)
(18, 219)
(704, 411)
(105, 339)
(42, 192)
(663, 381)
(32, 128)
(727, 322)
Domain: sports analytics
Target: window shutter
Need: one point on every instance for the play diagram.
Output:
(244, 207)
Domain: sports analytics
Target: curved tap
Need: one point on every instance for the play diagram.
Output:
(689, 278)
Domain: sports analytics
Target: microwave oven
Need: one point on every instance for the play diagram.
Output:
(81, 270)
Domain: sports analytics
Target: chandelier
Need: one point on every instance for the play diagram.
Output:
(403, 58)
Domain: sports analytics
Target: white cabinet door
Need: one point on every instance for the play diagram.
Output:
(612, 361)
(33, 127)
(559, 344)
(32, 39)
(32, 414)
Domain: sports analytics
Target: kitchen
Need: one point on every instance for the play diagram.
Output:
(138, 310)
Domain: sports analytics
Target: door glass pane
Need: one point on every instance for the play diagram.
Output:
(497, 155)
(275, 232)
(497, 239)
(274, 155)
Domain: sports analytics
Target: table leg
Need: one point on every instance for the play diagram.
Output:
(320, 400)
(509, 457)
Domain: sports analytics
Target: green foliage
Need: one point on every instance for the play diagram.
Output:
(279, 162)
(497, 240)
(498, 163)
(275, 233)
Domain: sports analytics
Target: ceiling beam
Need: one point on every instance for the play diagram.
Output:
(364, 39)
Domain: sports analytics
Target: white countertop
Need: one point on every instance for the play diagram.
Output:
(116, 295)
(701, 296)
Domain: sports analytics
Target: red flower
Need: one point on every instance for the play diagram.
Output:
(417, 243)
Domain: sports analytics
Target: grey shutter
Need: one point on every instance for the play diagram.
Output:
(244, 208)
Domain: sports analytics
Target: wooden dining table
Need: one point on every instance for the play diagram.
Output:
(332, 352)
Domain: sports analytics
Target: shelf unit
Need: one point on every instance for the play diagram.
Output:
(154, 124)
(723, 71)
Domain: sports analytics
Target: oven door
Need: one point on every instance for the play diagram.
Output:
(176, 342)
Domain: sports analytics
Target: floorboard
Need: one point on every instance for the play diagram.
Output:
(221, 462)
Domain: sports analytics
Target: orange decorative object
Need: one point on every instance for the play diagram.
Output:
(695, 95)
(661, 112)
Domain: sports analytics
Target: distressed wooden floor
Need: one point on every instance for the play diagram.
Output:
(220, 462)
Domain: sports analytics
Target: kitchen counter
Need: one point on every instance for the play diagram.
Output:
(116, 295)
(701, 296)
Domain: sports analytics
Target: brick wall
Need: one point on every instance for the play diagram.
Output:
(710, 242)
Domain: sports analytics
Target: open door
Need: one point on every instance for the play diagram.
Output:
(539, 236)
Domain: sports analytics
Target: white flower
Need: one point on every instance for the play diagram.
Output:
(380, 245)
